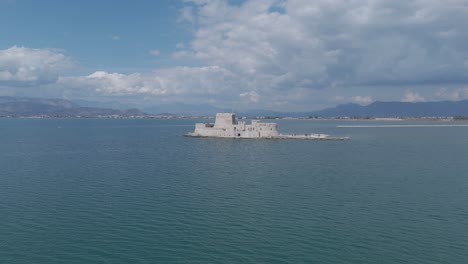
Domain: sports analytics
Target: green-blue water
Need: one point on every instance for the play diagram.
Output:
(136, 191)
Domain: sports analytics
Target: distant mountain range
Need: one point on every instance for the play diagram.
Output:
(23, 106)
(398, 109)
(378, 109)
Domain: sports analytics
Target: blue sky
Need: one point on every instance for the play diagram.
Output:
(111, 35)
(264, 54)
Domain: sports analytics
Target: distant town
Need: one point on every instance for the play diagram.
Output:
(173, 116)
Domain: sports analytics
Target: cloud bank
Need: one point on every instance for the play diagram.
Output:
(412, 97)
(20, 66)
(292, 54)
(178, 84)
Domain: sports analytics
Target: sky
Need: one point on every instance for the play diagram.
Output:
(283, 55)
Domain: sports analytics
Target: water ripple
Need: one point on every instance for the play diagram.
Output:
(115, 191)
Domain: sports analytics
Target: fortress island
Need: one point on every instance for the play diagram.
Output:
(227, 126)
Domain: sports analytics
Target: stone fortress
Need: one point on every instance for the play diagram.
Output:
(227, 126)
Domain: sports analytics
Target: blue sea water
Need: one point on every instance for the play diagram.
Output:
(137, 191)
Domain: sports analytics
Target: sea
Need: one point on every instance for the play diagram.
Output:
(138, 191)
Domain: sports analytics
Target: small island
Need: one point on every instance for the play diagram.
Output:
(227, 126)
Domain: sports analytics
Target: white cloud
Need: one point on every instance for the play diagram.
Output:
(187, 84)
(296, 53)
(252, 96)
(319, 44)
(266, 48)
(115, 37)
(452, 94)
(154, 52)
(362, 99)
(187, 15)
(21, 66)
(412, 97)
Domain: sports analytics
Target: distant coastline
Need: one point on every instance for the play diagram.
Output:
(26, 107)
(174, 116)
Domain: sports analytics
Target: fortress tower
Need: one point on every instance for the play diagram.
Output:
(224, 120)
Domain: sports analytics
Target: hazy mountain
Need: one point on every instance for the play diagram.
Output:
(23, 106)
(50, 102)
(104, 104)
(184, 109)
(398, 109)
